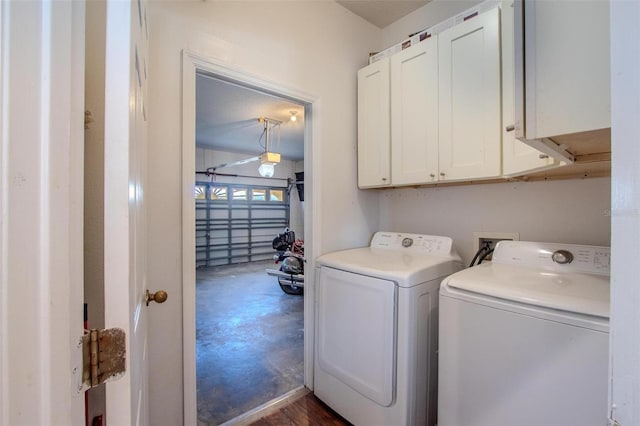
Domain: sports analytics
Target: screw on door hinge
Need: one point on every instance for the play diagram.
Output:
(103, 355)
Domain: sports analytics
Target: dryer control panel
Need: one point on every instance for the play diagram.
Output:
(559, 257)
(427, 244)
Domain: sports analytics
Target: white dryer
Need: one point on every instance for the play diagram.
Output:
(524, 339)
(376, 328)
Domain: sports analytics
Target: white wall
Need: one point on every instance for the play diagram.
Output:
(567, 211)
(313, 47)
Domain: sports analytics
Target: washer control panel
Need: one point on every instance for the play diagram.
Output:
(427, 244)
(560, 257)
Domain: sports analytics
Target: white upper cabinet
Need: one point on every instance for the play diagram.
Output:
(456, 106)
(469, 99)
(565, 73)
(374, 162)
(517, 157)
(414, 114)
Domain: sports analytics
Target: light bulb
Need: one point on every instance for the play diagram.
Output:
(293, 115)
(266, 170)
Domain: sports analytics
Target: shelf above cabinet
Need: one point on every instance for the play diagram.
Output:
(585, 144)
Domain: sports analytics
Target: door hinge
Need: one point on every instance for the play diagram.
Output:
(103, 356)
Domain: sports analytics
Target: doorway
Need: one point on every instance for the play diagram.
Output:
(237, 214)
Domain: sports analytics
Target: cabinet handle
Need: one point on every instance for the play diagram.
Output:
(543, 156)
(432, 175)
(384, 179)
(510, 128)
(442, 174)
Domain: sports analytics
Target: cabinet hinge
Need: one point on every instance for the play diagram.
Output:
(103, 356)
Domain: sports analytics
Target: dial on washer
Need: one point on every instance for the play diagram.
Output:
(562, 257)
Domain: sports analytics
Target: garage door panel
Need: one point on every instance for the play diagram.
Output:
(236, 223)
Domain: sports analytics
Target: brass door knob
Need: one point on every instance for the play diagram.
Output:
(159, 296)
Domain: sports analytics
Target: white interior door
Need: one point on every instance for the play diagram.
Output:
(41, 144)
(124, 215)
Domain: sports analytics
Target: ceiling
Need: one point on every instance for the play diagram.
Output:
(227, 119)
(382, 12)
(227, 114)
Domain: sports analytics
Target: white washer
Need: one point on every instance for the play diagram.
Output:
(524, 339)
(376, 328)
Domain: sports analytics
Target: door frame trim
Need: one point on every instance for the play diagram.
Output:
(191, 64)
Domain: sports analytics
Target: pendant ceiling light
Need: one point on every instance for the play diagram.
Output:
(268, 159)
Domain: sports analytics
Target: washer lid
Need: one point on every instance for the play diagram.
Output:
(572, 292)
(405, 268)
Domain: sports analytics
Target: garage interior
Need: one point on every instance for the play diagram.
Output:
(249, 332)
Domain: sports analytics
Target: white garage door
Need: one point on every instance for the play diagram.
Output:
(237, 223)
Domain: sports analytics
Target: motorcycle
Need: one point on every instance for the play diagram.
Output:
(290, 256)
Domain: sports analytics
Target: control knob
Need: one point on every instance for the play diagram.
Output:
(562, 257)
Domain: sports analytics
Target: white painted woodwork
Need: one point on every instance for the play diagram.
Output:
(125, 210)
(414, 114)
(625, 214)
(191, 63)
(374, 138)
(188, 226)
(41, 165)
(469, 92)
(567, 67)
(517, 157)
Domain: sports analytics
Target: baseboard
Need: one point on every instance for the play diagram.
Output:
(267, 408)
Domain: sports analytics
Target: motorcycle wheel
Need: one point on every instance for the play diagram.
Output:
(290, 288)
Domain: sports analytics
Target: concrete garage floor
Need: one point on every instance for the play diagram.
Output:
(249, 340)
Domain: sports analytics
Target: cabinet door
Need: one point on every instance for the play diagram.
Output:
(414, 114)
(517, 157)
(374, 161)
(566, 67)
(469, 91)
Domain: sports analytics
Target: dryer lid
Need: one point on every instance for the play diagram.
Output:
(571, 292)
(407, 259)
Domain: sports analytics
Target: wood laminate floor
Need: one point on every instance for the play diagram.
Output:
(304, 411)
